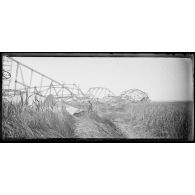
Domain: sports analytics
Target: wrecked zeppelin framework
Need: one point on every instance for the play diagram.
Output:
(19, 78)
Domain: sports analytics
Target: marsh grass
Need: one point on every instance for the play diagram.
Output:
(167, 120)
(127, 120)
(23, 121)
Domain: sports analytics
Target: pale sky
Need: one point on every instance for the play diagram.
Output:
(164, 79)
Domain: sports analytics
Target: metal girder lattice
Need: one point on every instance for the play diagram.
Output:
(135, 95)
(98, 93)
(25, 79)
(7, 70)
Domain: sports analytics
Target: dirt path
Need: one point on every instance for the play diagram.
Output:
(133, 132)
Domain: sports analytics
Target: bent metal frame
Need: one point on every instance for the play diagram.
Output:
(68, 93)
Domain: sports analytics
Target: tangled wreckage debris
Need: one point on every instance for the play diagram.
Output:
(58, 95)
(135, 95)
(108, 99)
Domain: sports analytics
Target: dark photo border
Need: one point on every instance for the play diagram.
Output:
(96, 54)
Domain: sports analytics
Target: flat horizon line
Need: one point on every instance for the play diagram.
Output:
(172, 101)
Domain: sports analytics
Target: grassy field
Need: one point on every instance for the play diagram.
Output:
(161, 120)
(167, 120)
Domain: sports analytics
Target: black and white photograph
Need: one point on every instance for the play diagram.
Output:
(101, 96)
(97, 97)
